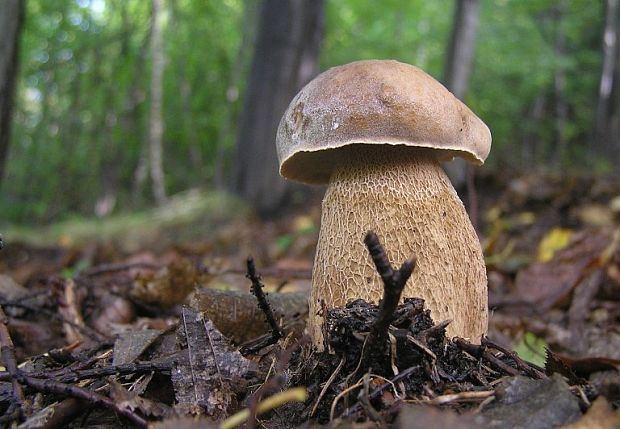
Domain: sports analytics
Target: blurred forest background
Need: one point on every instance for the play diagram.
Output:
(119, 104)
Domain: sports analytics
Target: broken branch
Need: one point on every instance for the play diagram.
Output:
(263, 304)
(51, 386)
(393, 285)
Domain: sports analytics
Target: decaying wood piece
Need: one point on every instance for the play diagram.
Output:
(238, 317)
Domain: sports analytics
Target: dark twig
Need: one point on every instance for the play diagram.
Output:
(530, 369)
(379, 390)
(263, 304)
(7, 352)
(55, 387)
(393, 285)
(115, 267)
(434, 330)
(71, 375)
(481, 352)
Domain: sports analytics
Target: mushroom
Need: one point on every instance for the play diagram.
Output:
(375, 131)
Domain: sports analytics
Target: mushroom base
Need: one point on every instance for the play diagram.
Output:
(406, 198)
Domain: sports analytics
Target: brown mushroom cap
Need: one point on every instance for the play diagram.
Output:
(374, 102)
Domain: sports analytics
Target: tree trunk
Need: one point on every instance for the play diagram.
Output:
(531, 144)
(456, 78)
(605, 130)
(559, 86)
(285, 58)
(188, 126)
(11, 23)
(459, 61)
(461, 50)
(248, 33)
(156, 122)
(130, 117)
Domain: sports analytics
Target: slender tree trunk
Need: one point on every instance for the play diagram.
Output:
(11, 23)
(285, 58)
(248, 33)
(459, 64)
(559, 86)
(461, 49)
(188, 125)
(156, 122)
(130, 117)
(531, 144)
(604, 139)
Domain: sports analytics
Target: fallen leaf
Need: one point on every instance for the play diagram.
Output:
(203, 384)
(547, 284)
(129, 345)
(556, 239)
(600, 416)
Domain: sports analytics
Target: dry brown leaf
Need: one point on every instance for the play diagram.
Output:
(600, 416)
(550, 283)
(204, 383)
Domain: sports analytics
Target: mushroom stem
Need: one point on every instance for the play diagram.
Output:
(407, 199)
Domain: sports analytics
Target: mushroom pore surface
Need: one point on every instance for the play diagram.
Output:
(406, 198)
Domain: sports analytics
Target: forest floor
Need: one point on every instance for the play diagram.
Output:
(100, 333)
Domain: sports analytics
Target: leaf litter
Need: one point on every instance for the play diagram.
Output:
(113, 345)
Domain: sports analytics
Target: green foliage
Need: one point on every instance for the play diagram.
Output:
(81, 120)
(532, 349)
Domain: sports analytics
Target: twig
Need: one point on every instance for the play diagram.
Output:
(115, 267)
(71, 375)
(332, 410)
(55, 387)
(365, 402)
(379, 390)
(263, 304)
(480, 352)
(422, 347)
(459, 397)
(61, 413)
(393, 285)
(531, 369)
(326, 386)
(434, 330)
(7, 351)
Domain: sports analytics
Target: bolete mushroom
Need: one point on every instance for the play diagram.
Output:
(375, 131)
